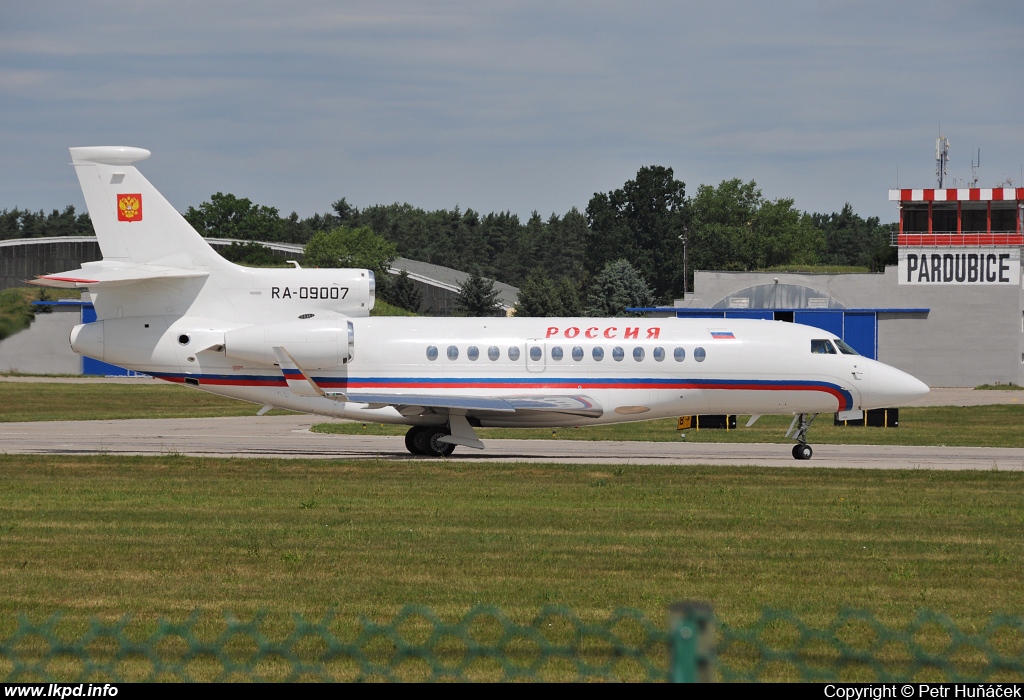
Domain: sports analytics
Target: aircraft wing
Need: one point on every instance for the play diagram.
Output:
(103, 274)
(569, 405)
(302, 384)
(401, 401)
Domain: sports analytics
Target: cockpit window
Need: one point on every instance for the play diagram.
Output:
(844, 348)
(822, 347)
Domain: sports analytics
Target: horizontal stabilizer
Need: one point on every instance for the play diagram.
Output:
(106, 274)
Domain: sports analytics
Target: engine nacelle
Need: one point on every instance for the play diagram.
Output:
(129, 342)
(286, 293)
(312, 345)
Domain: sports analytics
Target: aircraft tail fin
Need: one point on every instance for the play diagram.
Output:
(133, 221)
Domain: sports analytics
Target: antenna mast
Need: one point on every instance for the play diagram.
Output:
(974, 170)
(941, 159)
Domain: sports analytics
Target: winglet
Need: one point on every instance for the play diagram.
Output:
(298, 380)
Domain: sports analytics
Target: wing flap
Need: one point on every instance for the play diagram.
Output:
(462, 403)
(570, 405)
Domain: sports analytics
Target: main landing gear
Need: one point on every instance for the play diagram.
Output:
(423, 440)
(801, 450)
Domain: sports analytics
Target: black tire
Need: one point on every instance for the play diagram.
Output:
(802, 452)
(413, 440)
(421, 440)
(435, 448)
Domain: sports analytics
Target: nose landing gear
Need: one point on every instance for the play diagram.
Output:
(801, 450)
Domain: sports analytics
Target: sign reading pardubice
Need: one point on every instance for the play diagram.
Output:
(959, 266)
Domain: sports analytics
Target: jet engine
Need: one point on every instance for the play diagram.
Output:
(312, 345)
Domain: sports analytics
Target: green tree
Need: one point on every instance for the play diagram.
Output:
(402, 292)
(884, 252)
(569, 300)
(251, 254)
(538, 297)
(477, 297)
(617, 287)
(641, 223)
(780, 235)
(511, 250)
(853, 240)
(22, 223)
(351, 248)
(733, 227)
(227, 216)
(563, 249)
(16, 310)
(542, 296)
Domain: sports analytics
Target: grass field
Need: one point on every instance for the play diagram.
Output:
(163, 536)
(105, 535)
(42, 401)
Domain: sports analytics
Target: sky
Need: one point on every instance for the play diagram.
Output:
(510, 106)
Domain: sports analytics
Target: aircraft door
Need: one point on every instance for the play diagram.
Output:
(536, 354)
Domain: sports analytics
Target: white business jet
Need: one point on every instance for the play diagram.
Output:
(169, 306)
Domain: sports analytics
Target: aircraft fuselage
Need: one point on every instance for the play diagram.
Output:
(634, 369)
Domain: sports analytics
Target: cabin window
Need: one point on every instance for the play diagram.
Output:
(535, 353)
(699, 354)
(822, 347)
(659, 354)
(618, 354)
(679, 354)
(432, 353)
(453, 352)
(556, 353)
(473, 353)
(598, 353)
(844, 348)
(493, 353)
(638, 354)
(513, 353)
(577, 353)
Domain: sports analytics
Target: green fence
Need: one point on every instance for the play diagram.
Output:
(485, 645)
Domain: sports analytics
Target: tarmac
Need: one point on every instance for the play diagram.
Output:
(290, 437)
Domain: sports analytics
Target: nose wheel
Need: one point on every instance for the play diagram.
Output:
(801, 422)
(802, 451)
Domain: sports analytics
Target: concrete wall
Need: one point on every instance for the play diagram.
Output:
(25, 259)
(43, 347)
(972, 334)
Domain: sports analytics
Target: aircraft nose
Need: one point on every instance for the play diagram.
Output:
(891, 387)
